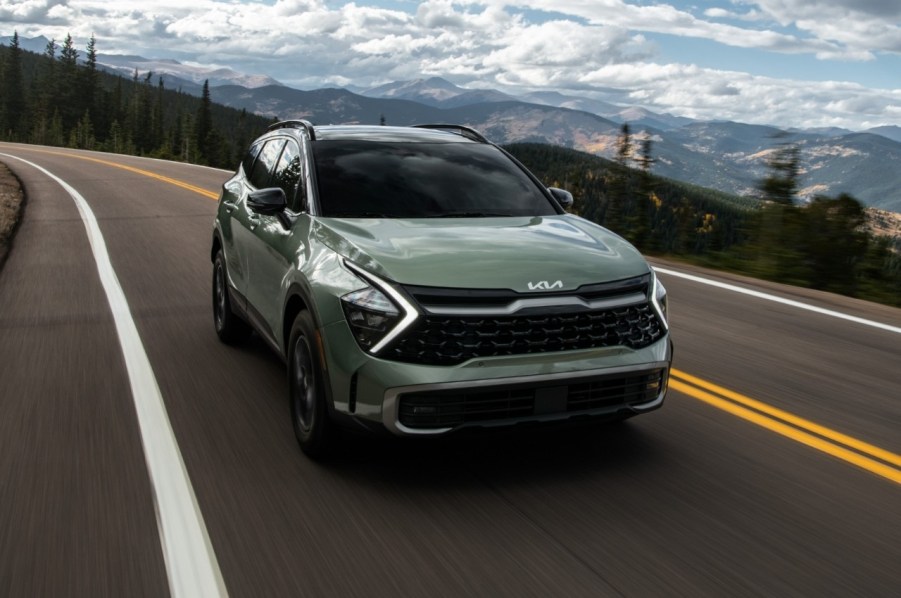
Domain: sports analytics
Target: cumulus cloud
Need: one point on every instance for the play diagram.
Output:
(861, 26)
(32, 11)
(710, 94)
(591, 47)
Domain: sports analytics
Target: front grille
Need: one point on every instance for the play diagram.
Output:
(451, 408)
(450, 340)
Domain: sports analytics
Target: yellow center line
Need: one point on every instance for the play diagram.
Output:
(794, 420)
(147, 173)
(789, 431)
(766, 416)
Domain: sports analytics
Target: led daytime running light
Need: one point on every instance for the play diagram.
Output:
(655, 300)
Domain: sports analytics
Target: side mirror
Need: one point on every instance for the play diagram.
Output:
(267, 201)
(563, 197)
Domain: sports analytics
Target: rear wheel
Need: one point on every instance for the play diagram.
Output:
(230, 328)
(306, 379)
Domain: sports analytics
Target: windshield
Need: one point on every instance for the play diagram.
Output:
(376, 179)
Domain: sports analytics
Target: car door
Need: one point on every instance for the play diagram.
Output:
(244, 220)
(275, 246)
(231, 218)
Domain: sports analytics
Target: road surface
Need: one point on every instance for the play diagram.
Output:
(772, 470)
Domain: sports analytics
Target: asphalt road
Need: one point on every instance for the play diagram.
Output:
(692, 500)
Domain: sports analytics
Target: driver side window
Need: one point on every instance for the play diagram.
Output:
(289, 176)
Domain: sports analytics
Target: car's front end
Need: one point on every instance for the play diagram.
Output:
(510, 320)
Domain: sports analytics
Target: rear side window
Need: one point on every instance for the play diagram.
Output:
(376, 179)
(259, 177)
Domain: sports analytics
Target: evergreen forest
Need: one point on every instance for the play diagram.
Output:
(61, 98)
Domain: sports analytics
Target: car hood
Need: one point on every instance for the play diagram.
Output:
(525, 254)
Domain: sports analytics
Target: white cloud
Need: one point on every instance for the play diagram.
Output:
(592, 47)
(858, 25)
(26, 11)
(710, 94)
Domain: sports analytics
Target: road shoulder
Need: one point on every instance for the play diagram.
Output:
(12, 199)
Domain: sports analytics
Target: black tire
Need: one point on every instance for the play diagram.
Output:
(230, 328)
(313, 428)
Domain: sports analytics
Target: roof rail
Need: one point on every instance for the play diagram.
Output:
(294, 124)
(467, 132)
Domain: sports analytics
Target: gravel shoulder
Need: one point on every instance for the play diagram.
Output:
(11, 201)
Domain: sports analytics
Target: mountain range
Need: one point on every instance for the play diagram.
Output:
(728, 156)
(723, 155)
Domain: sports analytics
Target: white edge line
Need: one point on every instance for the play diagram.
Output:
(776, 299)
(190, 560)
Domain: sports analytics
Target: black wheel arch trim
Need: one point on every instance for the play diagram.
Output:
(302, 291)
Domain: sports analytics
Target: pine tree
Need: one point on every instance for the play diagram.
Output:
(156, 121)
(44, 95)
(91, 92)
(84, 132)
(780, 223)
(618, 186)
(12, 108)
(204, 125)
(70, 104)
(834, 245)
(115, 141)
(781, 186)
(644, 212)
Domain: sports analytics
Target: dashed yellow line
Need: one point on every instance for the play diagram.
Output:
(866, 456)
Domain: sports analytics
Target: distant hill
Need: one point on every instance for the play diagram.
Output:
(723, 155)
(436, 92)
(31, 44)
(177, 74)
(892, 132)
(861, 164)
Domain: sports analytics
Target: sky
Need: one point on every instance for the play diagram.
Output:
(789, 63)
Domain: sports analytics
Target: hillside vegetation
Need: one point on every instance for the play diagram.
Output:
(824, 244)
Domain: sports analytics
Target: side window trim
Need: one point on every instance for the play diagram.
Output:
(311, 202)
(253, 153)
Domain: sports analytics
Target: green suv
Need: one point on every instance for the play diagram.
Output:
(420, 280)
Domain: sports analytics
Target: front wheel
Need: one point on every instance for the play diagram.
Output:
(306, 380)
(230, 328)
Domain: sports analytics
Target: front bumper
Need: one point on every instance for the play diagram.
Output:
(413, 399)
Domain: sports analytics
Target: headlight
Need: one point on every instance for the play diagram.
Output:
(377, 314)
(370, 315)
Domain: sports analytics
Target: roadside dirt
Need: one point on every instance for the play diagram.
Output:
(11, 200)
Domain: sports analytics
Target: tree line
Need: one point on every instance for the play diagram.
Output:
(62, 99)
(820, 244)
